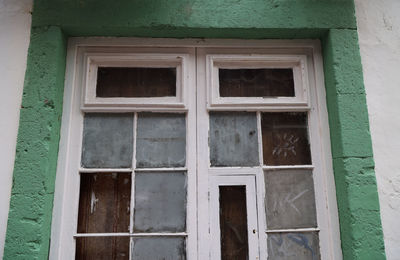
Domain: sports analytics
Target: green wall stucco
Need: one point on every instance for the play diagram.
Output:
(332, 21)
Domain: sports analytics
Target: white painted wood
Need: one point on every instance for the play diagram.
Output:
(173, 169)
(287, 167)
(105, 170)
(252, 222)
(292, 230)
(247, 59)
(194, 89)
(181, 234)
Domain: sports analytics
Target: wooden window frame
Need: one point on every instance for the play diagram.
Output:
(195, 99)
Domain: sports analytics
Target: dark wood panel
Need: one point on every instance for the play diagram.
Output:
(102, 248)
(233, 223)
(136, 82)
(256, 83)
(104, 204)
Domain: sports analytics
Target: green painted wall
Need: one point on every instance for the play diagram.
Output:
(332, 21)
(29, 220)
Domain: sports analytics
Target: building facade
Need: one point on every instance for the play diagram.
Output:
(32, 220)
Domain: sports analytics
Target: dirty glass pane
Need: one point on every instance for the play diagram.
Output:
(290, 200)
(293, 246)
(136, 82)
(160, 202)
(285, 139)
(161, 140)
(159, 248)
(233, 222)
(233, 139)
(256, 83)
(104, 202)
(102, 248)
(107, 140)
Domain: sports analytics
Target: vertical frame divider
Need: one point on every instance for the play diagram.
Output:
(132, 204)
(259, 136)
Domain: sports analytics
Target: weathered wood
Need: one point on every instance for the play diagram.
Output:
(233, 222)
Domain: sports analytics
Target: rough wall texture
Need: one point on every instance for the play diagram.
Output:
(15, 23)
(351, 148)
(37, 146)
(379, 33)
(331, 20)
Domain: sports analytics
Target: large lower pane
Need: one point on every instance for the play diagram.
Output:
(285, 139)
(104, 203)
(293, 246)
(160, 202)
(107, 140)
(102, 248)
(290, 200)
(161, 140)
(233, 139)
(233, 222)
(159, 248)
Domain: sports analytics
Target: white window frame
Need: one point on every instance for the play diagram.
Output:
(196, 83)
(248, 60)
(95, 58)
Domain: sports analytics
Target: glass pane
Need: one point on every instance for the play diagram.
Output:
(161, 140)
(160, 202)
(136, 82)
(285, 139)
(256, 83)
(102, 248)
(233, 139)
(290, 200)
(104, 202)
(159, 248)
(107, 140)
(233, 222)
(293, 246)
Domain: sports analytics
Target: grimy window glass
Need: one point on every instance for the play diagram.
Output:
(233, 139)
(159, 196)
(285, 139)
(135, 82)
(256, 83)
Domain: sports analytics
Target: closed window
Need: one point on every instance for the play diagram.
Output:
(194, 152)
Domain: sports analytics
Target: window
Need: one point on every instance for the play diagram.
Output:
(194, 150)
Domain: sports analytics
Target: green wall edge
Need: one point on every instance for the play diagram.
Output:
(29, 223)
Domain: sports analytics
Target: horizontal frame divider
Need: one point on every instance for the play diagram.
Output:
(181, 234)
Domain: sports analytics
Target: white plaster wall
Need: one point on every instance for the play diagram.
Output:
(15, 22)
(379, 35)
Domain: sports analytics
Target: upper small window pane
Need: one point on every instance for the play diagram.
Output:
(256, 83)
(136, 82)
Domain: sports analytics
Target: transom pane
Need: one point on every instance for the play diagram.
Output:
(136, 82)
(256, 83)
